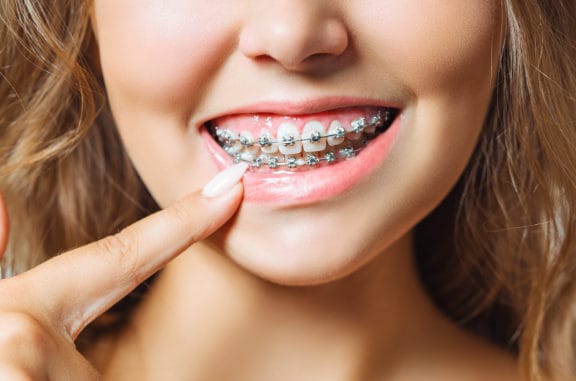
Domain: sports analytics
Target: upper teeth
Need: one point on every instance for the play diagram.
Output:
(313, 137)
(267, 143)
(291, 144)
(336, 133)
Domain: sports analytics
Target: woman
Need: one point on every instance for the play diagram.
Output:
(350, 123)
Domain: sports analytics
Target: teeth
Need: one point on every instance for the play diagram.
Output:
(330, 157)
(231, 144)
(233, 149)
(376, 120)
(247, 141)
(347, 153)
(387, 115)
(273, 162)
(291, 162)
(289, 139)
(336, 132)
(315, 147)
(246, 156)
(312, 136)
(257, 163)
(356, 129)
(312, 160)
(265, 140)
(225, 136)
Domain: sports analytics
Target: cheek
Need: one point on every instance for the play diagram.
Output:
(447, 55)
(155, 58)
(158, 52)
(447, 47)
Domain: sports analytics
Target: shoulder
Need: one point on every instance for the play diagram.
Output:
(451, 353)
(476, 359)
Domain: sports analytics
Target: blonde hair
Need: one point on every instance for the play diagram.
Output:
(64, 172)
(68, 181)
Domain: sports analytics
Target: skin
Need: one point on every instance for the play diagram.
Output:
(181, 71)
(43, 310)
(233, 306)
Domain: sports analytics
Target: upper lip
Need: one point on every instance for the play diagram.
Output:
(311, 106)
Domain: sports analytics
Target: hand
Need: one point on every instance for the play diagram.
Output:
(43, 310)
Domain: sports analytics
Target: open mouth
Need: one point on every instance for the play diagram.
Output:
(270, 142)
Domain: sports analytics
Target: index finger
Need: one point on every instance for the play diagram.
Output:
(74, 288)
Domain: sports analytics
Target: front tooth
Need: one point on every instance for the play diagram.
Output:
(289, 139)
(266, 142)
(337, 131)
(313, 137)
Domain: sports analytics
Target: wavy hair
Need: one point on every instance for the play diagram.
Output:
(510, 270)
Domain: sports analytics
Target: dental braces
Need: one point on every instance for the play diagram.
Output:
(359, 125)
(233, 144)
(287, 161)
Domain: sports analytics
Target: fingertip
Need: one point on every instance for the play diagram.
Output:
(224, 181)
(228, 201)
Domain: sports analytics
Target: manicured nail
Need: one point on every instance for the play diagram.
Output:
(225, 180)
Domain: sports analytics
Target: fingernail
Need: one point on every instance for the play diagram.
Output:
(225, 180)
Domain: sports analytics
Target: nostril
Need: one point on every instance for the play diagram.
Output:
(263, 59)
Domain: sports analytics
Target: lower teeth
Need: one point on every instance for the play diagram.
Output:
(247, 150)
(293, 162)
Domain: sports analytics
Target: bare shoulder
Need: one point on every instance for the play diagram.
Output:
(453, 354)
(476, 359)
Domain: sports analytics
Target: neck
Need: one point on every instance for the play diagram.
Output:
(204, 311)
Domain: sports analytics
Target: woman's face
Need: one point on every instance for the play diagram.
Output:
(287, 70)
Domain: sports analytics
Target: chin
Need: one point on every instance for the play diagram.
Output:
(295, 264)
(301, 247)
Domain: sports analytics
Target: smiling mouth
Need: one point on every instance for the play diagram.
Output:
(299, 143)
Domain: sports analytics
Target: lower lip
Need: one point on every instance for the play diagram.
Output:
(287, 188)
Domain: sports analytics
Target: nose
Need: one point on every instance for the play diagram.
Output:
(293, 33)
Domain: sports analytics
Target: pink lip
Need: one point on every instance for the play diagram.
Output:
(313, 106)
(286, 188)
